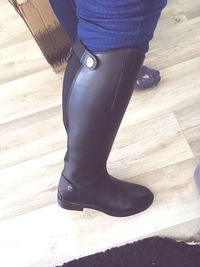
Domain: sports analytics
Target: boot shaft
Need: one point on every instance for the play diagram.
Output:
(94, 103)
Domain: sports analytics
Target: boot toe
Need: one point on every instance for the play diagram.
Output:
(129, 198)
(139, 198)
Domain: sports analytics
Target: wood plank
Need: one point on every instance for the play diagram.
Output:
(172, 14)
(189, 121)
(20, 60)
(177, 90)
(187, 231)
(173, 44)
(30, 137)
(142, 147)
(191, 10)
(43, 238)
(189, 116)
(30, 185)
(193, 138)
(33, 93)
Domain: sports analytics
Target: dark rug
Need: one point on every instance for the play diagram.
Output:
(154, 251)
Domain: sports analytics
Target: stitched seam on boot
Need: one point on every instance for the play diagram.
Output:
(69, 95)
(118, 85)
(70, 89)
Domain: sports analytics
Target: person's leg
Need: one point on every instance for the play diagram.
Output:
(65, 11)
(105, 25)
(97, 88)
(149, 77)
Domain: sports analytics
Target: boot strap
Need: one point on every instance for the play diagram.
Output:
(85, 56)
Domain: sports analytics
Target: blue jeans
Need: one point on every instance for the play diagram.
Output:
(109, 24)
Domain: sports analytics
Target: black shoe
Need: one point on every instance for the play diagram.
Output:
(108, 194)
(97, 88)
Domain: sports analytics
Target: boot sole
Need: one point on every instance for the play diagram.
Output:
(77, 207)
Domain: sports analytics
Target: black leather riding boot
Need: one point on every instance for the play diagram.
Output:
(97, 88)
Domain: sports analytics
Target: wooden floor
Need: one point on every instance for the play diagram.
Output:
(158, 145)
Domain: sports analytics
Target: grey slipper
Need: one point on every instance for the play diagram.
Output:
(197, 176)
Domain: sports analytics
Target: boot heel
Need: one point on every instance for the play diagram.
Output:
(68, 206)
